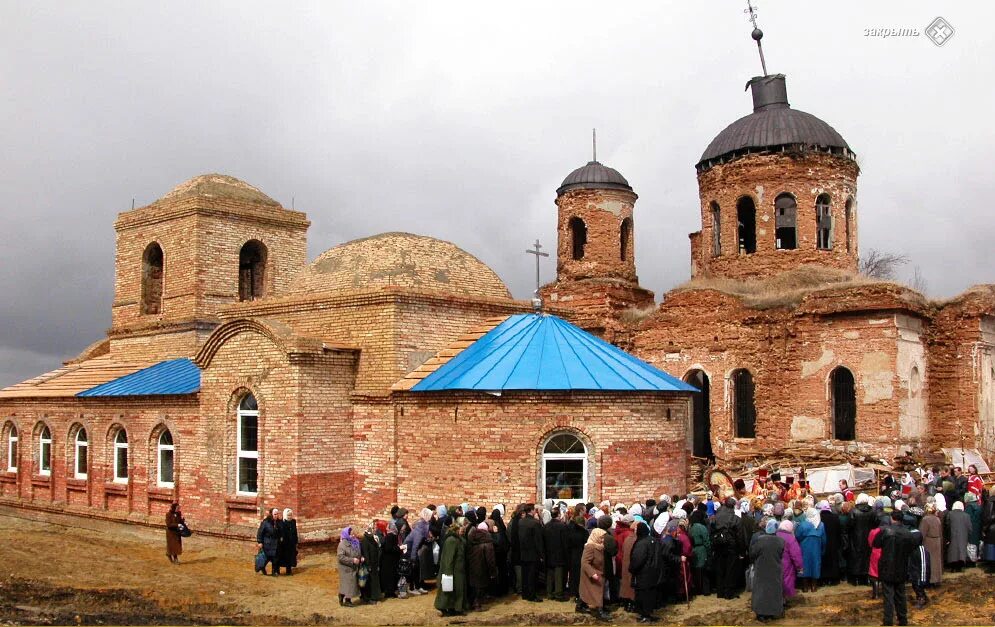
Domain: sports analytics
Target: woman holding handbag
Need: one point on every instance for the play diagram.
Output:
(349, 557)
(451, 598)
(174, 526)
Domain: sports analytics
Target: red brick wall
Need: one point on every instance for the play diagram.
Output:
(603, 211)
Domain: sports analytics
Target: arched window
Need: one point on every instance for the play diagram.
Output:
(45, 452)
(121, 456)
(578, 237)
(744, 408)
(701, 439)
(849, 224)
(625, 238)
(252, 270)
(248, 446)
(746, 216)
(716, 229)
(12, 449)
(785, 221)
(564, 469)
(844, 404)
(152, 279)
(823, 223)
(81, 445)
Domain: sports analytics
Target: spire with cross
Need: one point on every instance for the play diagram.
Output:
(537, 301)
(757, 33)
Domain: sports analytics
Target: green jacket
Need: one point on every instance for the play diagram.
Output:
(452, 561)
(702, 545)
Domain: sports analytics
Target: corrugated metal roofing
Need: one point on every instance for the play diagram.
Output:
(594, 175)
(543, 352)
(176, 376)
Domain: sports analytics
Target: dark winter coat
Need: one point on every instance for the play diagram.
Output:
(932, 539)
(832, 555)
(611, 550)
(481, 565)
(530, 540)
(574, 539)
(957, 530)
(174, 541)
(553, 538)
(514, 543)
(863, 519)
(918, 560)
(287, 553)
(268, 535)
(370, 549)
(452, 562)
(766, 554)
(645, 563)
(726, 532)
(896, 544)
(390, 555)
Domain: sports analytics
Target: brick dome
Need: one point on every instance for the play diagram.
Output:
(594, 175)
(218, 186)
(400, 260)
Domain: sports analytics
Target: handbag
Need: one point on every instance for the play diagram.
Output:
(363, 576)
(749, 578)
(404, 567)
(184, 531)
(435, 553)
(447, 583)
(972, 552)
(260, 561)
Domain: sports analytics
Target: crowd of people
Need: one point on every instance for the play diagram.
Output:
(776, 541)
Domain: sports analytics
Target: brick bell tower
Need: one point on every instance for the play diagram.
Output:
(595, 252)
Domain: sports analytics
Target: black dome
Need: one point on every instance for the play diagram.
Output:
(773, 124)
(594, 175)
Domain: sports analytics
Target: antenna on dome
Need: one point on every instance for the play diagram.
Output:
(594, 143)
(757, 34)
(133, 202)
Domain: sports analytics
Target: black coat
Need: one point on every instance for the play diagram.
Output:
(481, 565)
(896, 544)
(553, 537)
(530, 544)
(268, 535)
(863, 519)
(574, 539)
(726, 525)
(834, 546)
(611, 550)
(390, 555)
(514, 543)
(287, 552)
(646, 564)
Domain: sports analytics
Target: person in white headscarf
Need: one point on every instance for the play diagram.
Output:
(287, 552)
(941, 502)
(811, 536)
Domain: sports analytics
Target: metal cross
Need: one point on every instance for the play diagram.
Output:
(757, 33)
(538, 254)
(752, 10)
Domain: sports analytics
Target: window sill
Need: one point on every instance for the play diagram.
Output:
(161, 494)
(41, 481)
(8, 477)
(116, 488)
(243, 502)
(79, 485)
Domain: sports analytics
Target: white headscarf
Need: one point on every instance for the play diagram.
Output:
(958, 506)
(499, 507)
(661, 522)
(636, 510)
(546, 516)
(288, 514)
(812, 515)
(941, 502)
(863, 499)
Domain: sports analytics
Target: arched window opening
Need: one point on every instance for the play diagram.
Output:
(849, 224)
(625, 238)
(844, 401)
(45, 452)
(248, 446)
(746, 216)
(121, 456)
(564, 469)
(81, 445)
(785, 221)
(251, 270)
(716, 229)
(578, 237)
(152, 279)
(12, 449)
(744, 408)
(701, 425)
(165, 451)
(823, 223)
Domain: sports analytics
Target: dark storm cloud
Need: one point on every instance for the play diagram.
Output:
(458, 120)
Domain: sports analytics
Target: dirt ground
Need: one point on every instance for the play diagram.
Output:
(105, 573)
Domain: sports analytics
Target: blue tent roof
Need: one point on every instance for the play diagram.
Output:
(543, 352)
(176, 376)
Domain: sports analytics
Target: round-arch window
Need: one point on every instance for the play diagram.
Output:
(121, 457)
(165, 451)
(564, 469)
(12, 449)
(81, 449)
(45, 452)
(248, 403)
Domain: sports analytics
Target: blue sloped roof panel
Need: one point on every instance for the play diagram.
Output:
(543, 352)
(176, 376)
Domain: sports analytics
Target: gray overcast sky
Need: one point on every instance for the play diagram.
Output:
(458, 120)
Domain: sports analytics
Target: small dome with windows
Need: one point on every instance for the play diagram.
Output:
(594, 175)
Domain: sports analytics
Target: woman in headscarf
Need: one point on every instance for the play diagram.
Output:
(645, 571)
(349, 556)
(390, 555)
(863, 520)
(481, 564)
(370, 548)
(415, 542)
(574, 540)
(811, 536)
(452, 563)
(625, 535)
(766, 555)
(499, 534)
(932, 539)
(174, 541)
(686, 589)
(832, 556)
(957, 530)
(287, 552)
(872, 564)
(701, 549)
(791, 562)
(592, 583)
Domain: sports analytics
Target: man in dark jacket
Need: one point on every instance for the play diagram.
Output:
(575, 538)
(553, 536)
(960, 484)
(611, 550)
(530, 551)
(646, 568)
(896, 544)
(268, 540)
(727, 537)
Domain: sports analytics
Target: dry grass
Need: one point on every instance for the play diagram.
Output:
(635, 315)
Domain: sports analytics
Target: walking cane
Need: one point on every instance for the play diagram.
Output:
(684, 576)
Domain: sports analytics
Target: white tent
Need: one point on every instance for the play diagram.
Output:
(826, 480)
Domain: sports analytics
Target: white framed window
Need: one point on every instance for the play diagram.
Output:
(121, 457)
(45, 452)
(12, 449)
(81, 445)
(248, 446)
(165, 452)
(564, 469)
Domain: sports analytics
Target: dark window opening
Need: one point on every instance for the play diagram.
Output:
(844, 404)
(746, 214)
(152, 278)
(625, 237)
(823, 223)
(716, 229)
(701, 437)
(785, 221)
(578, 237)
(849, 224)
(251, 271)
(744, 407)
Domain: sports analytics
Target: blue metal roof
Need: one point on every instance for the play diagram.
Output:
(176, 376)
(543, 352)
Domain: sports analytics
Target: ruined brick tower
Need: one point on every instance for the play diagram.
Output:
(778, 191)
(595, 252)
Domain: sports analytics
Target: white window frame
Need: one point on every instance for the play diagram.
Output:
(43, 443)
(77, 445)
(560, 456)
(12, 439)
(160, 449)
(242, 454)
(118, 446)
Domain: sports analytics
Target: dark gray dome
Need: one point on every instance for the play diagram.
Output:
(773, 125)
(594, 175)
